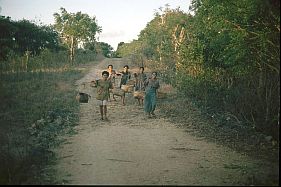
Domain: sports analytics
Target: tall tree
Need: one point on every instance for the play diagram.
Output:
(106, 49)
(163, 37)
(75, 29)
(22, 36)
(7, 36)
(238, 45)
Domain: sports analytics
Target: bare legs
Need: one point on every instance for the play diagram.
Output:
(103, 112)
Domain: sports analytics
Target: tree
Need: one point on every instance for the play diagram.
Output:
(226, 56)
(7, 34)
(238, 46)
(76, 29)
(23, 36)
(106, 49)
(163, 37)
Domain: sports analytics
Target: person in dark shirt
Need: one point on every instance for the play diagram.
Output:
(126, 75)
(112, 73)
(140, 79)
(112, 77)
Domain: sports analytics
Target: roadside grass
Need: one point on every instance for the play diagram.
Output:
(223, 130)
(36, 107)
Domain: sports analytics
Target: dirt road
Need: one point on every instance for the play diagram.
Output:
(132, 149)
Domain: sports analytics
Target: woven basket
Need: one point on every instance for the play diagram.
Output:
(127, 88)
(139, 94)
(161, 95)
(83, 97)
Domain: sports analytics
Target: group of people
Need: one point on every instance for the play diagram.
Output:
(142, 83)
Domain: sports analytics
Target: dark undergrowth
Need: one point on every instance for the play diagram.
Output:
(36, 109)
(225, 130)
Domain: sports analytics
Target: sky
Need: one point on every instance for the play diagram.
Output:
(121, 20)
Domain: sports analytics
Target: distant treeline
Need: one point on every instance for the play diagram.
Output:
(26, 46)
(225, 55)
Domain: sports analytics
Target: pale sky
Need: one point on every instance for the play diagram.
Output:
(121, 20)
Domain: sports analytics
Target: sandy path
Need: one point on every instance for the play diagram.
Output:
(130, 149)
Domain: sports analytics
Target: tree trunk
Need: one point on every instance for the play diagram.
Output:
(72, 50)
(27, 54)
(177, 41)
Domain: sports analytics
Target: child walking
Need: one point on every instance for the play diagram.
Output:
(103, 85)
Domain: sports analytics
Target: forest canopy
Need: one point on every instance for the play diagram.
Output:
(226, 56)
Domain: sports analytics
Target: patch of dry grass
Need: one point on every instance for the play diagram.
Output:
(27, 99)
(223, 130)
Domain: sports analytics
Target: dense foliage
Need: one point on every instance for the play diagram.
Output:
(26, 46)
(226, 56)
(76, 29)
(23, 37)
(106, 49)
